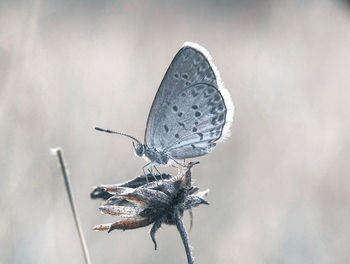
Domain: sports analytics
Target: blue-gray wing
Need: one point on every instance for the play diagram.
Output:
(191, 109)
(200, 125)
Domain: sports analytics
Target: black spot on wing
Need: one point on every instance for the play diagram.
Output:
(217, 98)
(200, 87)
(181, 124)
(210, 90)
(200, 136)
(184, 76)
(194, 93)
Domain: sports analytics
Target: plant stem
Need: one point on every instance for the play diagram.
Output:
(181, 227)
(65, 174)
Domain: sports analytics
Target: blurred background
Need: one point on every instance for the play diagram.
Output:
(280, 186)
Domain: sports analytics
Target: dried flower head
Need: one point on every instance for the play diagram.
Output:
(150, 199)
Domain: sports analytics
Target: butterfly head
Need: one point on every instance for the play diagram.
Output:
(139, 148)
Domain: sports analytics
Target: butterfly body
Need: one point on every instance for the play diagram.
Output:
(156, 156)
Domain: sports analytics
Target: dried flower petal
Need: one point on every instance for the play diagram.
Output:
(121, 211)
(142, 202)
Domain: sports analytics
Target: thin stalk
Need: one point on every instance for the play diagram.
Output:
(181, 227)
(65, 174)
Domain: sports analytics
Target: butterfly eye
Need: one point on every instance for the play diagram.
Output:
(139, 149)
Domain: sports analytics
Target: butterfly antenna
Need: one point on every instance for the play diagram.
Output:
(118, 133)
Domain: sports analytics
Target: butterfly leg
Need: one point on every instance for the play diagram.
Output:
(144, 173)
(155, 167)
(154, 176)
(143, 168)
(149, 168)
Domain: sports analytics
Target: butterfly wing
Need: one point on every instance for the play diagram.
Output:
(191, 109)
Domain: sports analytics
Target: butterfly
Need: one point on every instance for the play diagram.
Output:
(191, 111)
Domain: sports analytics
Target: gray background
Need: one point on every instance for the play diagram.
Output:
(280, 184)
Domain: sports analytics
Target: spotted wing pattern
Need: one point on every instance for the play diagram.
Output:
(189, 111)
